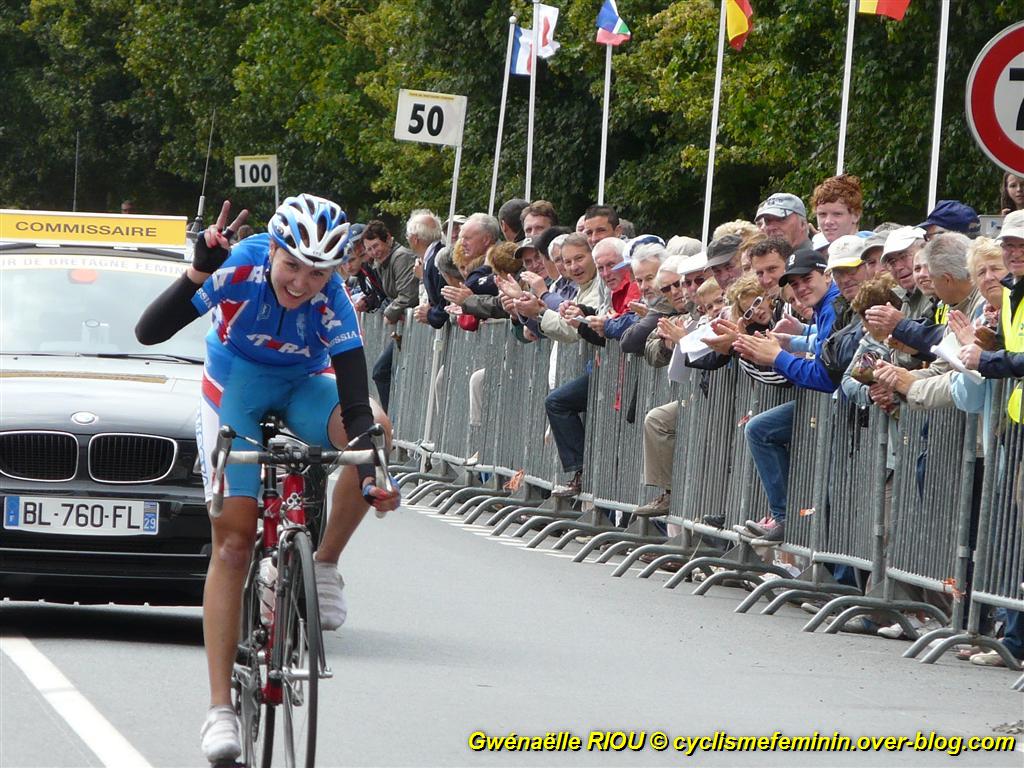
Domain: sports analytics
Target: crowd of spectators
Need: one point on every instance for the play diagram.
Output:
(836, 307)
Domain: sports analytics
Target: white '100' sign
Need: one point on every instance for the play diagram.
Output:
(256, 170)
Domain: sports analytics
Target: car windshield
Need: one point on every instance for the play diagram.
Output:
(88, 305)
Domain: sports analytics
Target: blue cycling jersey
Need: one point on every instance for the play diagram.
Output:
(252, 324)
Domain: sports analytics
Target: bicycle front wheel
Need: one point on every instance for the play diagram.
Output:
(298, 643)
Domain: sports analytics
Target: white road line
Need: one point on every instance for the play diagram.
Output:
(99, 735)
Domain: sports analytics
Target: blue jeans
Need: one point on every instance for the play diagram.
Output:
(1013, 633)
(564, 406)
(768, 437)
(382, 374)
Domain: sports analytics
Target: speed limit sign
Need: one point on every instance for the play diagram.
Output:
(995, 99)
(256, 170)
(432, 118)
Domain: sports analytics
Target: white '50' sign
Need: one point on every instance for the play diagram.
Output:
(432, 118)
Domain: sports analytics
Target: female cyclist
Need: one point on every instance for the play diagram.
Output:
(284, 339)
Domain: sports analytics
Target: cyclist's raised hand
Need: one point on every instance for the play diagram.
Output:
(381, 499)
(212, 248)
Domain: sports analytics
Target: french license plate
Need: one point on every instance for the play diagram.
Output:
(81, 517)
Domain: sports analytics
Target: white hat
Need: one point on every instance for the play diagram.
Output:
(680, 245)
(819, 241)
(692, 264)
(901, 239)
(1013, 226)
(845, 252)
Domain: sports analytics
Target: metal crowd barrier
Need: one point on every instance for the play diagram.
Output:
(837, 485)
(849, 510)
(999, 555)
(624, 389)
(929, 525)
(714, 475)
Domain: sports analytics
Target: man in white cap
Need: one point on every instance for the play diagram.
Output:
(901, 246)
(848, 272)
(785, 215)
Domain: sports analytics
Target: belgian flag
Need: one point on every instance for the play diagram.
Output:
(894, 9)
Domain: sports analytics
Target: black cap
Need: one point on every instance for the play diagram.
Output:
(722, 250)
(803, 261)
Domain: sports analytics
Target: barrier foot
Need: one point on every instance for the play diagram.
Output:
(751, 577)
(764, 588)
(474, 508)
(417, 476)
(548, 530)
(594, 543)
(631, 557)
(539, 518)
(565, 538)
(805, 591)
(505, 518)
(619, 547)
(928, 638)
(475, 494)
(979, 640)
(426, 489)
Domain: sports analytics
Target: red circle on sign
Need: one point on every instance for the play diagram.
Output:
(981, 109)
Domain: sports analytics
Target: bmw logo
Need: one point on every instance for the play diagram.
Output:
(83, 417)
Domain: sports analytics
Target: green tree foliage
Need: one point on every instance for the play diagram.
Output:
(316, 82)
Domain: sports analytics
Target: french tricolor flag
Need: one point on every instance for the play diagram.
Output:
(522, 41)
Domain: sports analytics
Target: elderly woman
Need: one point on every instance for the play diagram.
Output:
(988, 265)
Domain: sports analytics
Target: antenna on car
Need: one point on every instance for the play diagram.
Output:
(197, 224)
(74, 193)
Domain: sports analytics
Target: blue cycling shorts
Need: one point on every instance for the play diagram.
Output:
(240, 393)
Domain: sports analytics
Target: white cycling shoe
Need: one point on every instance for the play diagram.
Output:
(331, 595)
(221, 742)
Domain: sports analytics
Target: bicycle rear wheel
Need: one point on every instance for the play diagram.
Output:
(298, 643)
(248, 677)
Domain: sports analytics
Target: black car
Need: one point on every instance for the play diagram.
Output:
(99, 479)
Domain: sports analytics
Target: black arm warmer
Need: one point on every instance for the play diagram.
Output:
(171, 311)
(354, 397)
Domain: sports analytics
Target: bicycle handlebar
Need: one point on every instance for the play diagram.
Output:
(292, 453)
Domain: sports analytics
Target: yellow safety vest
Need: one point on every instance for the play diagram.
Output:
(942, 313)
(1013, 337)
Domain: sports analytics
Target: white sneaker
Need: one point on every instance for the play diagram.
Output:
(220, 735)
(895, 631)
(330, 592)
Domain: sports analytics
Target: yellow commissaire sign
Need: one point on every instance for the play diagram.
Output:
(92, 229)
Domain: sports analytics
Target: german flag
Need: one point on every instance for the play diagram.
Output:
(894, 9)
(738, 22)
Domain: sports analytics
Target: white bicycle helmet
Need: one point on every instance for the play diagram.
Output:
(311, 229)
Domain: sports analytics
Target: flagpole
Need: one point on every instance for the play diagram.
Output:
(940, 80)
(533, 96)
(501, 114)
(714, 128)
(604, 122)
(847, 71)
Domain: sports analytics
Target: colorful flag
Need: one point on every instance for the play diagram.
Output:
(894, 9)
(738, 22)
(547, 17)
(611, 29)
(522, 42)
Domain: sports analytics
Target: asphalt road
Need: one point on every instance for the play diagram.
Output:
(452, 632)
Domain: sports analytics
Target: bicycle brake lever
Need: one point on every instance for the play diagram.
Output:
(220, 461)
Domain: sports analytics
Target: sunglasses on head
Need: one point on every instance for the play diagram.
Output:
(669, 287)
(753, 308)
